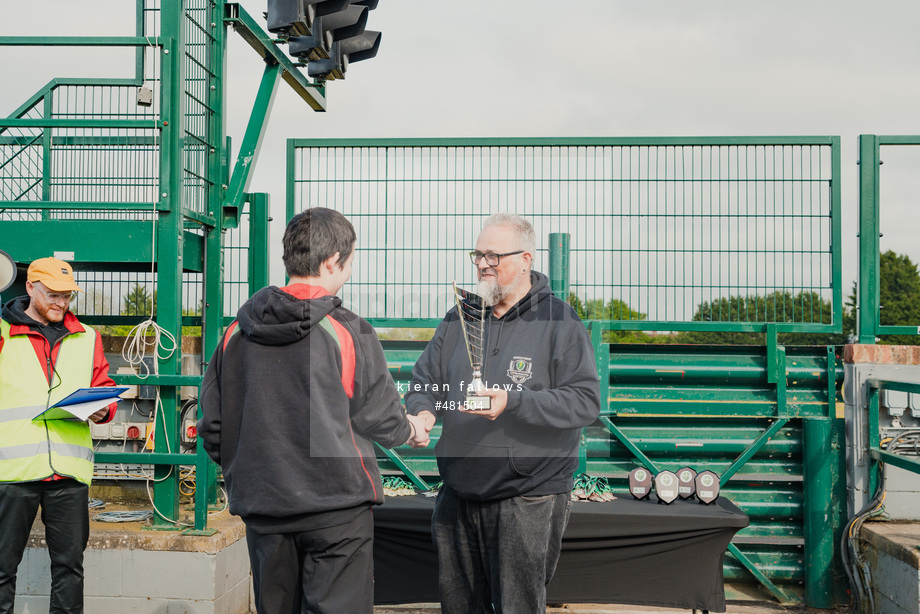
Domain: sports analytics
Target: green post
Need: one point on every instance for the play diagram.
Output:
(289, 183)
(212, 311)
(169, 248)
(839, 477)
(868, 305)
(259, 217)
(818, 512)
(559, 264)
(252, 138)
(140, 23)
(206, 488)
(48, 110)
(836, 234)
(874, 437)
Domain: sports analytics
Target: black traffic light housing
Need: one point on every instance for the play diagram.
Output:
(354, 49)
(327, 34)
(288, 18)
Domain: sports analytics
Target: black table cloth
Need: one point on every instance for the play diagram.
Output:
(624, 551)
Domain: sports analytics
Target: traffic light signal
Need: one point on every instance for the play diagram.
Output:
(327, 34)
(288, 18)
(327, 30)
(354, 49)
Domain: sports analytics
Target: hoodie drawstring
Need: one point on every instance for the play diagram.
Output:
(501, 324)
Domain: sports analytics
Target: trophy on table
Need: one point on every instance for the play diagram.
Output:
(472, 321)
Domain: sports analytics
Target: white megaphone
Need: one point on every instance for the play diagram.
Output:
(7, 270)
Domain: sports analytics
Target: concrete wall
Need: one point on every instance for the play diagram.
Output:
(129, 570)
(890, 550)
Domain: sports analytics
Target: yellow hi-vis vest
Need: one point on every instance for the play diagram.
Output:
(32, 450)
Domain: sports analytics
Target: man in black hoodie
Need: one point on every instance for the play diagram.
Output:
(507, 471)
(294, 396)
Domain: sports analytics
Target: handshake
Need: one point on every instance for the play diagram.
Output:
(421, 427)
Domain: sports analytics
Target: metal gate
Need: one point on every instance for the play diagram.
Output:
(735, 235)
(125, 178)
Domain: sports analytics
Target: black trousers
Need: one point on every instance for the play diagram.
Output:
(66, 518)
(322, 571)
(497, 556)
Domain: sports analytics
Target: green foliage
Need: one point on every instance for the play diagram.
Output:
(596, 309)
(775, 307)
(806, 307)
(191, 331)
(139, 302)
(614, 309)
(899, 296)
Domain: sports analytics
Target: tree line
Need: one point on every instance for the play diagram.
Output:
(899, 297)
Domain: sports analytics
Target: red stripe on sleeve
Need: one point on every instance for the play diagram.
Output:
(347, 345)
(230, 330)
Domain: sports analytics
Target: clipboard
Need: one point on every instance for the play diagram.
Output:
(82, 403)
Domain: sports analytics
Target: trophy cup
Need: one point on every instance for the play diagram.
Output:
(472, 321)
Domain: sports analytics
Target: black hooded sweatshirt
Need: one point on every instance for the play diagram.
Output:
(292, 399)
(540, 352)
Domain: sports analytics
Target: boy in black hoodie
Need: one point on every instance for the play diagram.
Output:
(293, 398)
(507, 471)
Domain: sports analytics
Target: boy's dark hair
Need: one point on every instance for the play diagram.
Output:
(312, 237)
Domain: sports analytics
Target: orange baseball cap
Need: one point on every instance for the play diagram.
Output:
(56, 274)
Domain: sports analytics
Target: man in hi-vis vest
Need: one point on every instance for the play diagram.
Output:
(46, 354)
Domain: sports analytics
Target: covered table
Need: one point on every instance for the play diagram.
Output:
(624, 551)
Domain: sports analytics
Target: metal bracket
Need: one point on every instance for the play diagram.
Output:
(236, 16)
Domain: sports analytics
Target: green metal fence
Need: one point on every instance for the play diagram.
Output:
(95, 185)
(132, 194)
(872, 320)
(764, 419)
(733, 234)
(129, 178)
(668, 233)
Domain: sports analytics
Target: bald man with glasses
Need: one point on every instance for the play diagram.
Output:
(46, 354)
(507, 470)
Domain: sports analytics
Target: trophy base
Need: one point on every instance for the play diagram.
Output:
(475, 402)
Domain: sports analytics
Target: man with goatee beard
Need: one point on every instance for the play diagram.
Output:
(507, 471)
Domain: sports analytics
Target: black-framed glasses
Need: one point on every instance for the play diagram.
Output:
(491, 259)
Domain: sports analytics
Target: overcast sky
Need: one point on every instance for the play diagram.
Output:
(533, 68)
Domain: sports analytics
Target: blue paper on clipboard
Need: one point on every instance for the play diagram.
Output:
(82, 403)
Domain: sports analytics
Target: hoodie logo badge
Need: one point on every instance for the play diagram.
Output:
(521, 369)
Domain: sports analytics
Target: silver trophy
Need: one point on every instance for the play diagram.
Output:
(472, 321)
